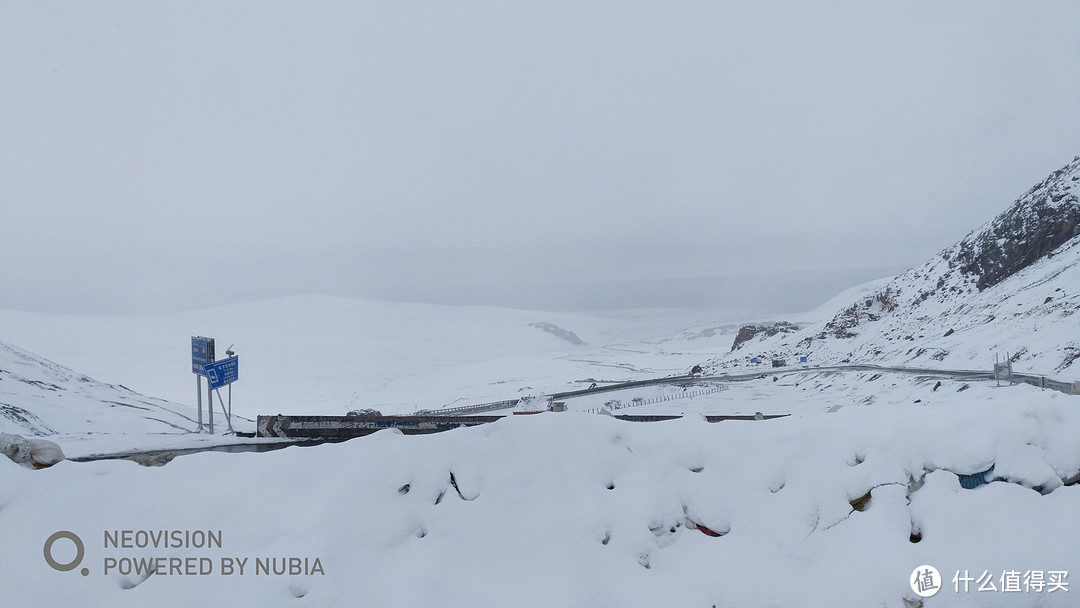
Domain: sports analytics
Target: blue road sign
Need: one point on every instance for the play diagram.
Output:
(202, 352)
(220, 373)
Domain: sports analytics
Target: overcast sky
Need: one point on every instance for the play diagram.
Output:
(167, 155)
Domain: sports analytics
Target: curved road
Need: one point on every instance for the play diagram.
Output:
(161, 456)
(968, 374)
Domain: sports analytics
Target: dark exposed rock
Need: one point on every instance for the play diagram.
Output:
(1039, 222)
(842, 324)
(748, 332)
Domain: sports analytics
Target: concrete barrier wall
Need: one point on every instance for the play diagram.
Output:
(1069, 388)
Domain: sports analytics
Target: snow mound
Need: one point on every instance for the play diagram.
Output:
(578, 510)
(30, 453)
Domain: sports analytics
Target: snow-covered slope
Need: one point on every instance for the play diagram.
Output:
(39, 397)
(1012, 286)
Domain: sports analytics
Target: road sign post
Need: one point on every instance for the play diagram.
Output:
(218, 374)
(209, 408)
(198, 398)
(202, 352)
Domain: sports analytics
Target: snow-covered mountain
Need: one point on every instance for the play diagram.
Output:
(326, 355)
(1011, 286)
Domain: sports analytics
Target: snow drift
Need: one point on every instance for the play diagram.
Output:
(580, 510)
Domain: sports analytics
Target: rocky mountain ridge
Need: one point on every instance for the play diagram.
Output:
(1010, 286)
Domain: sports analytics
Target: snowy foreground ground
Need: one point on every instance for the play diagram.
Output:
(533, 522)
(576, 509)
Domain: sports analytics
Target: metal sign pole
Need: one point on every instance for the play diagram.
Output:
(228, 419)
(202, 352)
(210, 402)
(218, 374)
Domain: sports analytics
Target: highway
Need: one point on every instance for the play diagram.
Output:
(313, 430)
(1069, 388)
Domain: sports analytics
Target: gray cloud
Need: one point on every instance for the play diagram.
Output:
(395, 149)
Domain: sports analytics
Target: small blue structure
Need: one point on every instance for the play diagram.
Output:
(802, 359)
(970, 482)
(753, 359)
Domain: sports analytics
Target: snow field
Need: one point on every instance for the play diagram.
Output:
(532, 521)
